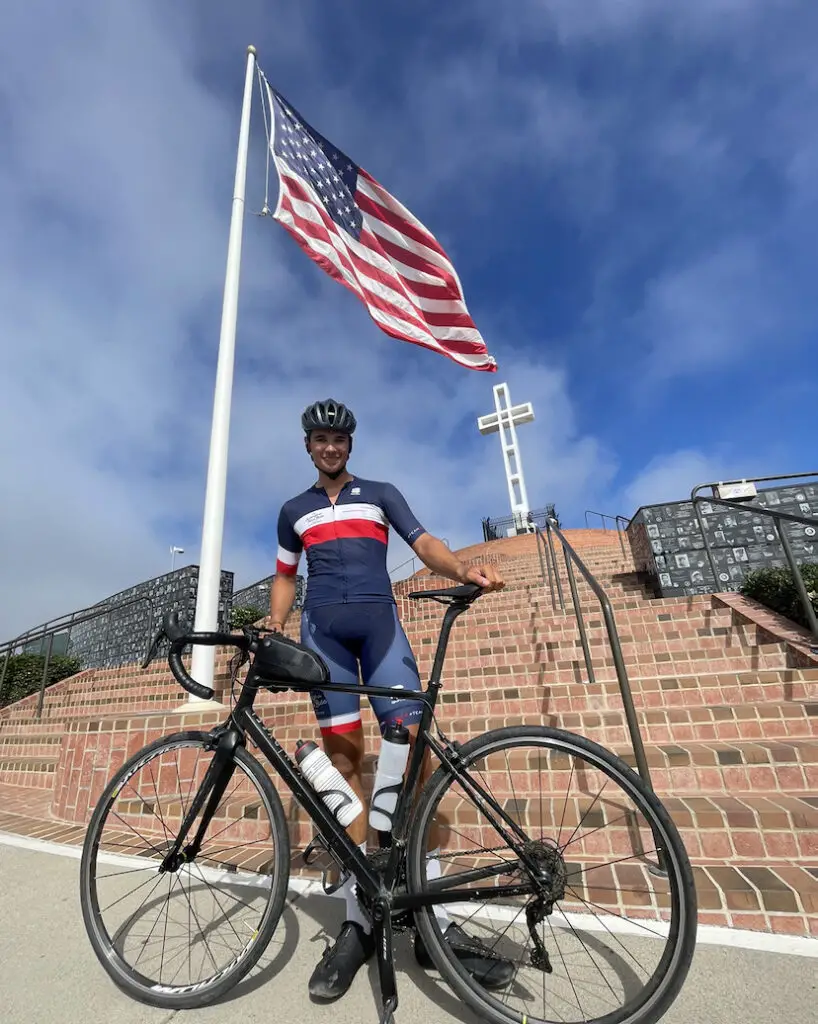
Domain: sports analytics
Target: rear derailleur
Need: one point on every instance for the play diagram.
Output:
(551, 882)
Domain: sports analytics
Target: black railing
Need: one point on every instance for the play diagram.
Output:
(56, 627)
(777, 518)
(411, 561)
(496, 529)
(545, 547)
(616, 520)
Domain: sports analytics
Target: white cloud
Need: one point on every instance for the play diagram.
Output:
(671, 477)
(114, 195)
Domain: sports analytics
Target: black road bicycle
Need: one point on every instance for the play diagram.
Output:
(588, 892)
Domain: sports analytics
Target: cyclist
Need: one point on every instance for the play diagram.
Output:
(350, 618)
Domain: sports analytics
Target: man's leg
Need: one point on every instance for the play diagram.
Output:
(339, 718)
(388, 661)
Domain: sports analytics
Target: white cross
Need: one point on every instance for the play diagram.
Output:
(505, 419)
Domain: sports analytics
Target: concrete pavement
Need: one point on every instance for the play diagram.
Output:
(48, 972)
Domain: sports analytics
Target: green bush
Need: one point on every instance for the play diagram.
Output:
(775, 588)
(245, 615)
(24, 674)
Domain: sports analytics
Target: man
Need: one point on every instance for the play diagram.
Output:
(350, 618)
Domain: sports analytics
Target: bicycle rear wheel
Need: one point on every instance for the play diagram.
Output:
(182, 938)
(612, 941)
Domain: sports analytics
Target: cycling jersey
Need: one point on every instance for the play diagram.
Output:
(345, 542)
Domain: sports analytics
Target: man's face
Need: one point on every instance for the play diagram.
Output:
(329, 450)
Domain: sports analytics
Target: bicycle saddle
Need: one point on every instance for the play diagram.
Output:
(467, 593)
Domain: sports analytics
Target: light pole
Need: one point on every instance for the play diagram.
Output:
(174, 551)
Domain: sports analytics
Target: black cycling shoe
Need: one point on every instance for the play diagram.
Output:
(486, 967)
(341, 962)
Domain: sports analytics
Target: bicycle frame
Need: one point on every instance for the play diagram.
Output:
(378, 888)
(243, 720)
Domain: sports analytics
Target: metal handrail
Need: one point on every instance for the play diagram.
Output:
(415, 558)
(798, 579)
(571, 559)
(59, 626)
(603, 516)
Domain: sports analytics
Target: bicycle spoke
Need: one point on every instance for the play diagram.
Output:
(197, 930)
(581, 967)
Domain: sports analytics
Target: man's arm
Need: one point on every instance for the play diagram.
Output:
(282, 597)
(436, 556)
(282, 592)
(430, 550)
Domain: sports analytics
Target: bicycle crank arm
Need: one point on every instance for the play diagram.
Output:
(382, 928)
(388, 1015)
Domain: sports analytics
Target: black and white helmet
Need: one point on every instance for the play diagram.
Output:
(328, 415)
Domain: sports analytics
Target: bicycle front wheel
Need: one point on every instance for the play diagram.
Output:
(606, 939)
(182, 937)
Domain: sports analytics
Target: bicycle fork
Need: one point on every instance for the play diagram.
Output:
(213, 787)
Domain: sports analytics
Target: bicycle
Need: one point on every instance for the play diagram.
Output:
(531, 890)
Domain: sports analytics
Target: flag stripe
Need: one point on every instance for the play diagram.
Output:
(383, 289)
(315, 237)
(333, 263)
(374, 209)
(423, 285)
(362, 236)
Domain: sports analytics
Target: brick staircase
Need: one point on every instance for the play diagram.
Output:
(726, 695)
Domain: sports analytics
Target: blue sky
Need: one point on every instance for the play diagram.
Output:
(628, 191)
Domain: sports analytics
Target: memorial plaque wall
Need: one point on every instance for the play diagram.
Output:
(258, 594)
(667, 543)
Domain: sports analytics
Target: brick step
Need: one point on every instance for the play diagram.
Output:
(703, 616)
(555, 691)
(750, 827)
(539, 609)
(649, 662)
(35, 772)
(767, 894)
(785, 764)
(33, 744)
(562, 687)
(782, 720)
(690, 627)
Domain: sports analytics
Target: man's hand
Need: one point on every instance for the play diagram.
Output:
(485, 576)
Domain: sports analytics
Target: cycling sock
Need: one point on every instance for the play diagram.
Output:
(432, 872)
(353, 908)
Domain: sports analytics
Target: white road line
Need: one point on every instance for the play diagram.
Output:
(707, 935)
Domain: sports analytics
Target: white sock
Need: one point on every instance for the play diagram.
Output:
(353, 909)
(432, 872)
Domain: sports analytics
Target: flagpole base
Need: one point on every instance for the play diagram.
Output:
(197, 706)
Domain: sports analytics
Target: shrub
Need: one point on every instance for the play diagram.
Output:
(24, 674)
(245, 615)
(775, 588)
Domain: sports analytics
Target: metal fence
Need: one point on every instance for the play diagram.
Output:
(511, 526)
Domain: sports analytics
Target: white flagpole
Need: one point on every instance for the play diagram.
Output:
(207, 594)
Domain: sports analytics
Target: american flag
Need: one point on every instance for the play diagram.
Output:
(363, 237)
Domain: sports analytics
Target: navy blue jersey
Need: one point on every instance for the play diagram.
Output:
(345, 542)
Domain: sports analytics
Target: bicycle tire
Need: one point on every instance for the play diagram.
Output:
(668, 985)
(125, 977)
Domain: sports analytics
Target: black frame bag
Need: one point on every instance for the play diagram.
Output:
(280, 660)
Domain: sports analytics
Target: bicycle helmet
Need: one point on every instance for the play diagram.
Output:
(328, 415)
